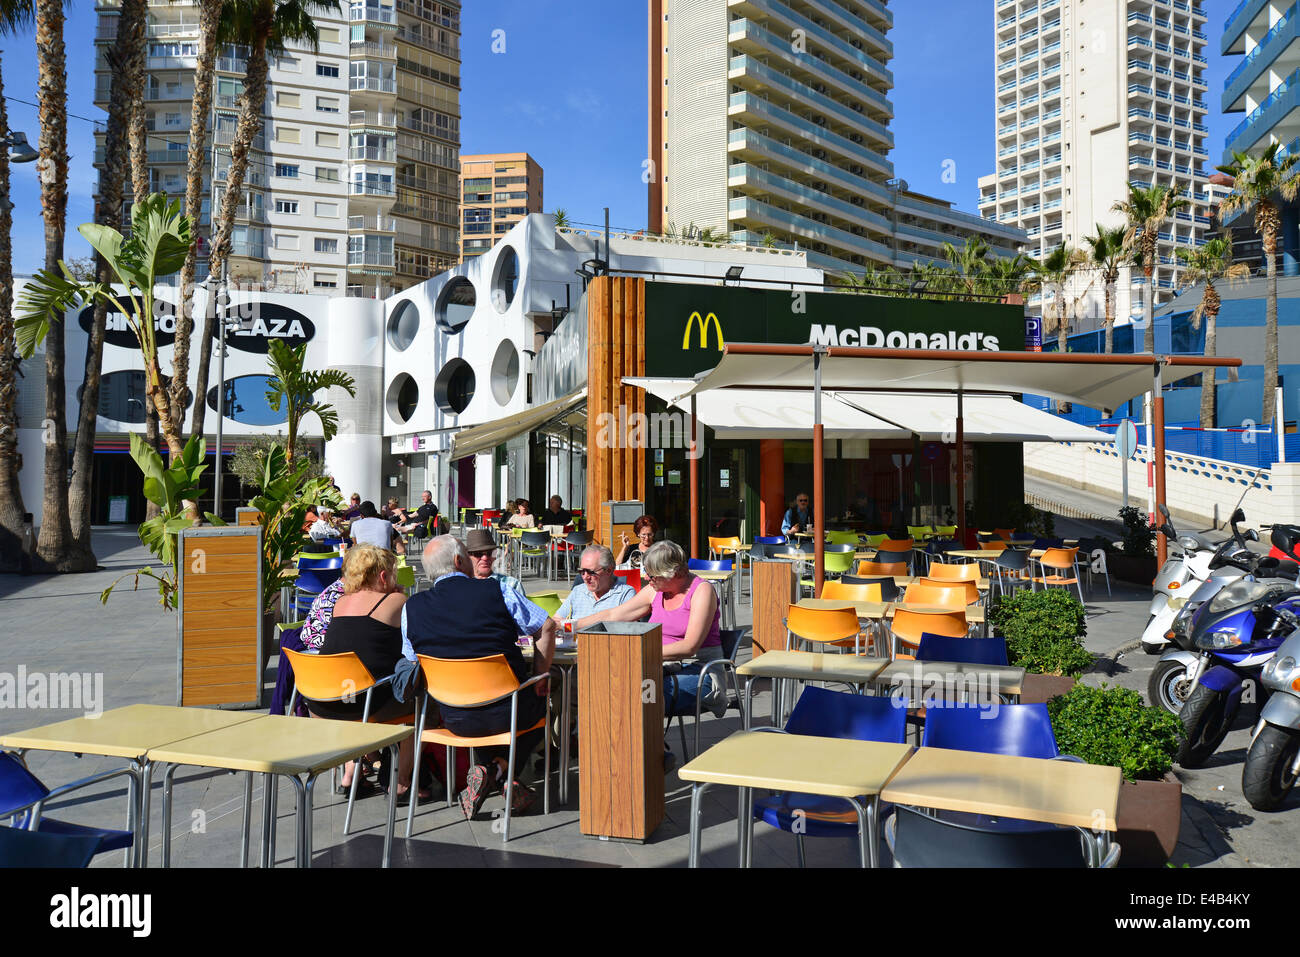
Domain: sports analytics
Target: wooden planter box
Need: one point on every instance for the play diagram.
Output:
(1149, 817)
(1043, 688)
(1129, 568)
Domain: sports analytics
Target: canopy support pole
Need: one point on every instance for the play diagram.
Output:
(819, 476)
(961, 471)
(695, 483)
(1158, 443)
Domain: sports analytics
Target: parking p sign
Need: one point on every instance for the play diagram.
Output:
(1033, 334)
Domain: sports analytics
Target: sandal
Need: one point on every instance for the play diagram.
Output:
(365, 789)
(522, 798)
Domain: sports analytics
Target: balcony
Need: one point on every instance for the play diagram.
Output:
(227, 138)
(382, 189)
(366, 13)
(806, 95)
(372, 224)
(768, 149)
(416, 38)
(742, 208)
(374, 154)
(227, 64)
(386, 119)
(248, 250)
(373, 258)
(373, 84)
(371, 49)
(840, 47)
(752, 104)
(741, 176)
(1277, 105)
(1260, 59)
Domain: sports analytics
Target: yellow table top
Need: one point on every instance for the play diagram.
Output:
(1032, 789)
(277, 744)
(872, 610)
(836, 767)
(127, 732)
(714, 576)
(812, 666)
(918, 674)
(974, 613)
(983, 554)
(902, 581)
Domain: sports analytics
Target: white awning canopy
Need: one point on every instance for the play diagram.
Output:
(481, 438)
(1103, 382)
(788, 414)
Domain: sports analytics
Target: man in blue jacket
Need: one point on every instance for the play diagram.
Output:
(799, 517)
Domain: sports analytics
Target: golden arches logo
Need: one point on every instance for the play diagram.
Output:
(703, 322)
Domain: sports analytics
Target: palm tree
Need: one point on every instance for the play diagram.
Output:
(264, 26)
(1147, 209)
(297, 388)
(1108, 252)
(128, 65)
(1007, 275)
(1054, 272)
(1210, 262)
(561, 219)
(971, 262)
(1256, 181)
(11, 493)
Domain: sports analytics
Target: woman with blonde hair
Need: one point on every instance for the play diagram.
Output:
(367, 620)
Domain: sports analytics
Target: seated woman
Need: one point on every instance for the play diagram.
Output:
(523, 517)
(645, 529)
(367, 620)
(687, 608)
(319, 531)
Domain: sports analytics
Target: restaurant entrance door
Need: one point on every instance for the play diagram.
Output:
(731, 500)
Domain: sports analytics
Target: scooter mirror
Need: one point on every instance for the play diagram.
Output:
(1237, 516)
(1167, 531)
(1285, 538)
(1252, 535)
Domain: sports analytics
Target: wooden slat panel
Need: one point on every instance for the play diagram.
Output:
(218, 675)
(219, 601)
(593, 742)
(652, 735)
(216, 656)
(236, 693)
(220, 545)
(244, 585)
(216, 563)
(616, 388)
(774, 589)
(241, 620)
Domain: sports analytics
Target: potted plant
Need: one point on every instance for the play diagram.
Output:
(1113, 726)
(1044, 633)
(1135, 560)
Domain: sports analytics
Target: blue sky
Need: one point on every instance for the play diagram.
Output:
(570, 88)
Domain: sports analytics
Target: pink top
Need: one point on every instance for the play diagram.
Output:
(677, 621)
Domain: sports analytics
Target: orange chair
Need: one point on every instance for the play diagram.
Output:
(868, 569)
(330, 678)
(1060, 560)
(998, 546)
(838, 591)
(474, 683)
(954, 573)
(969, 590)
(1004, 533)
(897, 545)
(936, 596)
(724, 547)
(821, 625)
(908, 626)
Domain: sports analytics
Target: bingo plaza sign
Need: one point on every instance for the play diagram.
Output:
(250, 326)
(687, 326)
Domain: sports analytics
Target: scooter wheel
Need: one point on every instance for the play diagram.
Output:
(1267, 777)
(1170, 686)
(1206, 721)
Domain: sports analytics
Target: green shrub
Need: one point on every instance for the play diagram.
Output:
(1139, 538)
(1112, 726)
(1043, 630)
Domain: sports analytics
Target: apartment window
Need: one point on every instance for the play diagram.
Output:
(287, 170)
(327, 174)
(327, 139)
(289, 64)
(287, 206)
(325, 280)
(327, 34)
(327, 210)
(290, 100)
(327, 104)
(173, 49)
(285, 241)
(327, 245)
(288, 134)
(478, 185)
(327, 69)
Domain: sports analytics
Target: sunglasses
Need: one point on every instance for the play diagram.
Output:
(584, 572)
(478, 555)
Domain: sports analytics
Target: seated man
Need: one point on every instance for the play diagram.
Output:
(599, 589)
(464, 617)
(555, 513)
(482, 548)
(370, 529)
(419, 522)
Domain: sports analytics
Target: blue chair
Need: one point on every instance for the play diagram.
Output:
(917, 839)
(830, 714)
(23, 798)
(975, 651)
(1049, 543)
(314, 576)
(19, 848)
(759, 550)
(709, 564)
(1023, 730)
(724, 666)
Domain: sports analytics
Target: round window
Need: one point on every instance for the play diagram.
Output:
(456, 305)
(505, 279)
(403, 397)
(245, 401)
(403, 324)
(505, 372)
(454, 387)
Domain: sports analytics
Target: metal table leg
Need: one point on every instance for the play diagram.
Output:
(247, 819)
(142, 831)
(392, 801)
(167, 816)
(302, 826)
(566, 734)
(268, 816)
(741, 842)
(697, 791)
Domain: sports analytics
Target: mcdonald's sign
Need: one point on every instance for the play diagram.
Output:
(703, 323)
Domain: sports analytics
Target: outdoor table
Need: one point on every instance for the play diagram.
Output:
(833, 767)
(271, 745)
(728, 581)
(129, 732)
(804, 666)
(1009, 679)
(1066, 793)
(902, 581)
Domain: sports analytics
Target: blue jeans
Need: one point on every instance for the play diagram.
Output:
(686, 684)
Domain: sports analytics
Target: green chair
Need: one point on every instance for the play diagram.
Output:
(836, 564)
(842, 538)
(405, 576)
(920, 533)
(548, 601)
(875, 540)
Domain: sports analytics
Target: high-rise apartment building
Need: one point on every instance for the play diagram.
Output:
(1091, 96)
(353, 183)
(769, 122)
(497, 190)
(1266, 84)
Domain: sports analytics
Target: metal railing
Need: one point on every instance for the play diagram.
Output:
(378, 224)
(372, 83)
